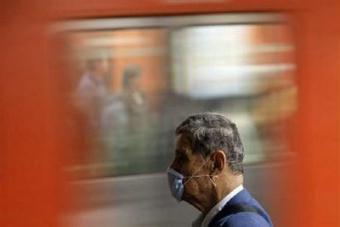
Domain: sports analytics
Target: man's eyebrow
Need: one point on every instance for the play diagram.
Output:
(182, 151)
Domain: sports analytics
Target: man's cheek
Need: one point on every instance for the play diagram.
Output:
(191, 187)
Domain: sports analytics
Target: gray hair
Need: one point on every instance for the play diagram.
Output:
(209, 132)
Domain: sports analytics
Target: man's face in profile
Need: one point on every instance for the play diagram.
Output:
(189, 164)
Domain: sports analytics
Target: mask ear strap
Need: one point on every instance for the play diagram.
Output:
(211, 178)
(194, 176)
(206, 175)
(205, 162)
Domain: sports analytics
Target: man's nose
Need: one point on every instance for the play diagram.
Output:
(175, 166)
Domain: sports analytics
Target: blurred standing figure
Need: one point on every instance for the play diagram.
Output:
(124, 124)
(133, 97)
(92, 91)
(208, 173)
(90, 100)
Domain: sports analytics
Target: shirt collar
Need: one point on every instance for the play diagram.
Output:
(203, 221)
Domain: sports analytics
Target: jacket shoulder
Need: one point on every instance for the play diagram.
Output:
(244, 219)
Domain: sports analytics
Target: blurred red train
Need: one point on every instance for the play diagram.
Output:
(34, 82)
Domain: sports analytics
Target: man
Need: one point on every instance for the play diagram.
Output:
(92, 91)
(207, 172)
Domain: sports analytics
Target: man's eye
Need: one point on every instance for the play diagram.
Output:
(181, 157)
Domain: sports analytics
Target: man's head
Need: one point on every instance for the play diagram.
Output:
(208, 147)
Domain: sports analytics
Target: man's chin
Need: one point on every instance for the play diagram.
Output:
(192, 201)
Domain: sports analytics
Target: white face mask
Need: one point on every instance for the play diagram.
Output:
(176, 184)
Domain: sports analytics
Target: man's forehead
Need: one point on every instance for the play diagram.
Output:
(182, 142)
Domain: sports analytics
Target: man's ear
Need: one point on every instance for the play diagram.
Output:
(219, 161)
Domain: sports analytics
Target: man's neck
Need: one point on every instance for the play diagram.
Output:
(227, 185)
(224, 186)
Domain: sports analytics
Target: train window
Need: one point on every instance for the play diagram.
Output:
(134, 79)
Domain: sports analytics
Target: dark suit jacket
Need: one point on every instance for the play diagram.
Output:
(242, 219)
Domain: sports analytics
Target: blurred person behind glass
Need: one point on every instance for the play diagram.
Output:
(90, 98)
(124, 123)
(133, 97)
(92, 90)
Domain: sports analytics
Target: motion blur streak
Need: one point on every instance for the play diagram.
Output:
(32, 128)
(316, 130)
